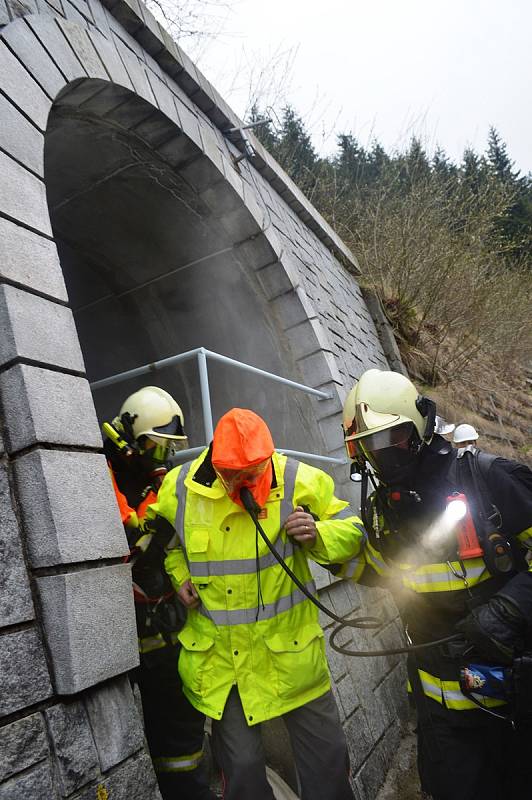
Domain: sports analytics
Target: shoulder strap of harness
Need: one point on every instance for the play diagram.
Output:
(479, 464)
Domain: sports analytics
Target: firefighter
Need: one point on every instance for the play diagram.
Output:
(465, 435)
(147, 430)
(252, 647)
(461, 573)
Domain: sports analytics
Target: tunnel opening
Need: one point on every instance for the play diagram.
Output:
(155, 247)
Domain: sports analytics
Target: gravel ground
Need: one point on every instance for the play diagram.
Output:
(402, 782)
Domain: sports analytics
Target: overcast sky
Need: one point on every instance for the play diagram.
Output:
(383, 68)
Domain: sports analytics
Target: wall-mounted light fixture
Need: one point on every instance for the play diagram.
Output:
(249, 151)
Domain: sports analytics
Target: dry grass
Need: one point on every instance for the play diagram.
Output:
(499, 406)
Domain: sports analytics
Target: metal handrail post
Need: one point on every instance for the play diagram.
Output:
(205, 394)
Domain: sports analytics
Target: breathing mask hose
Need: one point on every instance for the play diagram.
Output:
(251, 508)
(368, 623)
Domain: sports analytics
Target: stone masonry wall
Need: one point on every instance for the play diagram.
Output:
(68, 723)
(51, 749)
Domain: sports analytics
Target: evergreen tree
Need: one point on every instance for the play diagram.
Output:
(499, 161)
(416, 162)
(472, 171)
(350, 162)
(295, 151)
(378, 162)
(441, 165)
(515, 228)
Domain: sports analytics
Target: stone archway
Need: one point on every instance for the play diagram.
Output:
(115, 79)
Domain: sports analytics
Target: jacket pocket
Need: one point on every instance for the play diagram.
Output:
(195, 658)
(197, 545)
(298, 659)
(198, 540)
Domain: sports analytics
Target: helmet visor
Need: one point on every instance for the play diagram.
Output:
(365, 421)
(172, 428)
(353, 451)
(171, 435)
(351, 446)
(158, 452)
(389, 451)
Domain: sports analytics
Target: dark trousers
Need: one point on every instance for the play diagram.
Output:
(475, 758)
(174, 729)
(318, 743)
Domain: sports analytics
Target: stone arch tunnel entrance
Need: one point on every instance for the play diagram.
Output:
(157, 250)
(159, 256)
(164, 246)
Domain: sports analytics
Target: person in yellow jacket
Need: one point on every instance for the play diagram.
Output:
(252, 647)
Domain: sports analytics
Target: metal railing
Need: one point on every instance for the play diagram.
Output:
(201, 354)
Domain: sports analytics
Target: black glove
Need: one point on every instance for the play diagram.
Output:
(497, 630)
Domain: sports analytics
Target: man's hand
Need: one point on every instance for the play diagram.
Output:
(188, 595)
(300, 524)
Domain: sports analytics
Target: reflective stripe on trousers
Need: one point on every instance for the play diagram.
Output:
(179, 763)
(156, 642)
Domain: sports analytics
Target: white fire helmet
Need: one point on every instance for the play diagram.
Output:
(464, 433)
(154, 413)
(386, 421)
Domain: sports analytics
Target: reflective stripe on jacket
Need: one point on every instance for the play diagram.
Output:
(254, 627)
(448, 693)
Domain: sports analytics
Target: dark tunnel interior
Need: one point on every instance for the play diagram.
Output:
(151, 270)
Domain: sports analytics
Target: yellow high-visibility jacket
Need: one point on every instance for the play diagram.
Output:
(254, 627)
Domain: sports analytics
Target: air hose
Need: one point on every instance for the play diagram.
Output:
(366, 623)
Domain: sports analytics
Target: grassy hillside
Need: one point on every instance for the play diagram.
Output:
(448, 249)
